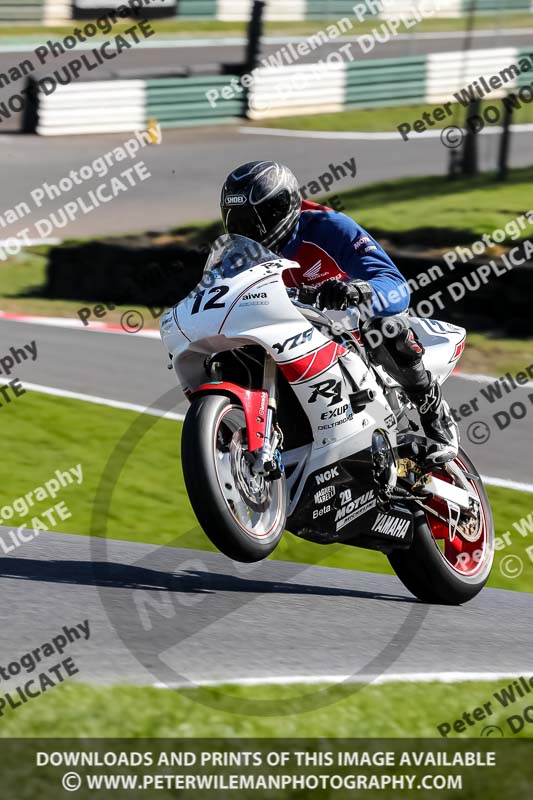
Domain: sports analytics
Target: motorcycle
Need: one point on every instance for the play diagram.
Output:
(291, 426)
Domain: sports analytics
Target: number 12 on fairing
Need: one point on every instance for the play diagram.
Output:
(217, 292)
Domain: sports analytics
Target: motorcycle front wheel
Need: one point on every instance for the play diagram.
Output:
(447, 563)
(243, 514)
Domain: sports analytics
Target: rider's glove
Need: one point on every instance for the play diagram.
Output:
(339, 295)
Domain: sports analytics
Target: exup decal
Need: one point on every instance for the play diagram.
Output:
(335, 412)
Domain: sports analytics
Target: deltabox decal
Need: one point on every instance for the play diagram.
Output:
(325, 494)
(328, 475)
(391, 526)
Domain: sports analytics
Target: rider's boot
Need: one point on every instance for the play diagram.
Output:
(439, 426)
(398, 350)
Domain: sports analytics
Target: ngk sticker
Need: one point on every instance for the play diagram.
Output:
(352, 509)
(328, 475)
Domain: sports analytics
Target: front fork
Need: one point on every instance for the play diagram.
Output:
(267, 460)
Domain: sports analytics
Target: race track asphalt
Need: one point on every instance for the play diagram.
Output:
(184, 616)
(189, 167)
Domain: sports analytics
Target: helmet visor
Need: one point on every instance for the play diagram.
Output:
(244, 221)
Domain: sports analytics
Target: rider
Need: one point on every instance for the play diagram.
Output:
(262, 200)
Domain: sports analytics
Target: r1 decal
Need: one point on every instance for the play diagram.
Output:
(329, 390)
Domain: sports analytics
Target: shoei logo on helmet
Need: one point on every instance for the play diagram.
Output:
(235, 199)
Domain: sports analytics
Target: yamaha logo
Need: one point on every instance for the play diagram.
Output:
(235, 200)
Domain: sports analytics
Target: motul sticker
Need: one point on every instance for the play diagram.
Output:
(354, 508)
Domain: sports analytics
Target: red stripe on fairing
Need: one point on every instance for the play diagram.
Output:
(458, 350)
(312, 364)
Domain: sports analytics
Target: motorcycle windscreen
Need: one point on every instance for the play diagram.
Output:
(232, 254)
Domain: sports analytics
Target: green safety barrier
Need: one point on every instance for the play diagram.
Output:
(335, 8)
(197, 8)
(525, 78)
(495, 6)
(380, 82)
(182, 101)
(21, 10)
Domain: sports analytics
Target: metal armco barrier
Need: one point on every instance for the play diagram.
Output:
(92, 107)
(126, 104)
(182, 101)
(54, 11)
(14, 12)
(377, 83)
(87, 9)
(332, 9)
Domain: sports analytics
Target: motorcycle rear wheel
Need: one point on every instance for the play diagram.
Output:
(243, 514)
(437, 569)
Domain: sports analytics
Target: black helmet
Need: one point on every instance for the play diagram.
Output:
(261, 200)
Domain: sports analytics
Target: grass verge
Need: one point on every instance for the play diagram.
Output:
(395, 710)
(384, 119)
(195, 27)
(145, 508)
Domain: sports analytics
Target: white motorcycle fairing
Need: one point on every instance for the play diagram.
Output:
(330, 481)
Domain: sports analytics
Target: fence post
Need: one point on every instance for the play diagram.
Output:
(255, 34)
(253, 48)
(503, 155)
(469, 159)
